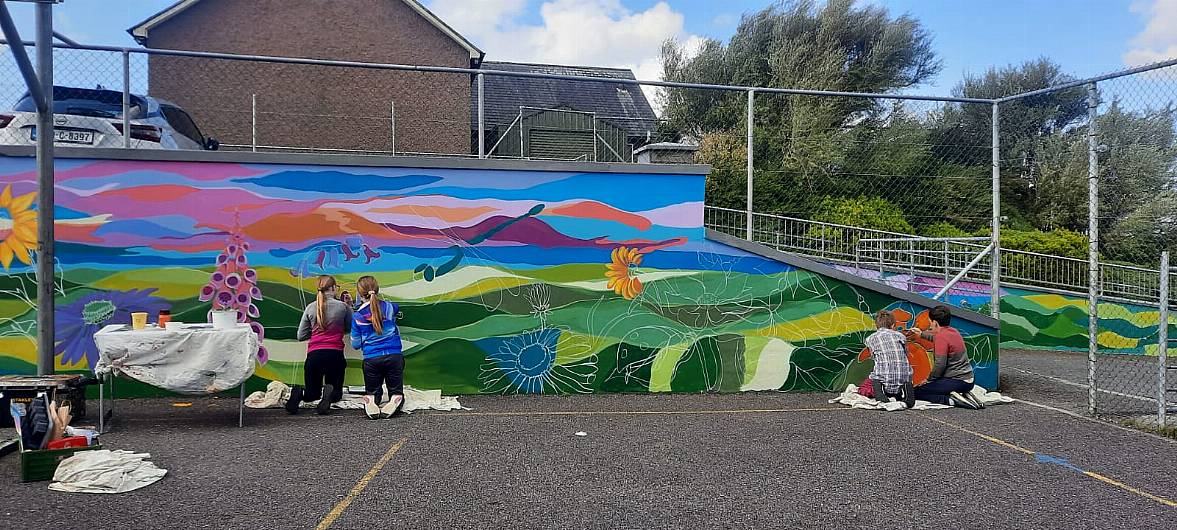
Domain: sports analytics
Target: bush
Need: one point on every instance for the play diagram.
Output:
(1057, 242)
(943, 229)
(865, 212)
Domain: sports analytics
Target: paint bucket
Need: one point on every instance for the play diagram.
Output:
(226, 319)
(138, 320)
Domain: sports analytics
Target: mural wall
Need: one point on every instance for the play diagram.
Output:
(1032, 319)
(509, 281)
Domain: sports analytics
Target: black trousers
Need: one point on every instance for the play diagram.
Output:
(386, 370)
(323, 366)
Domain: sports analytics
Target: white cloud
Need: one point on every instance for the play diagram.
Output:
(1158, 41)
(570, 32)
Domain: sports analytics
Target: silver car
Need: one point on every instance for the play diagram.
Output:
(84, 117)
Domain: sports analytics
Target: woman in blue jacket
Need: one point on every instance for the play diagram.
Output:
(374, 332)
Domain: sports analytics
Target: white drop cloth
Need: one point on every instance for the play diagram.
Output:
(191, 361)
(850, 397)
(278, 392)
(104, 471)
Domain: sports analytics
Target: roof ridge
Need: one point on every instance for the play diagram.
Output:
(522, 63)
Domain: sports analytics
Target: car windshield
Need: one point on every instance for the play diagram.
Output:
(98, 103)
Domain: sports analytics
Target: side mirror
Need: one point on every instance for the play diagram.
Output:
(211, 144)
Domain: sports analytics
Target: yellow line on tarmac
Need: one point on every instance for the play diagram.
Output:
(1020, 449)
(641, 412)
(359, 487)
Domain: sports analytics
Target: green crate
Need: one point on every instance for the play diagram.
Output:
(37, 466)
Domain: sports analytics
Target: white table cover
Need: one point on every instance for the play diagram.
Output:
(190, 361)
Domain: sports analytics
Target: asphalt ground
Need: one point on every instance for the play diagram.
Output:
(752, 460)
(1126, 384)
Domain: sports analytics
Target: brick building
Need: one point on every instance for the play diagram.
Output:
(315, 106)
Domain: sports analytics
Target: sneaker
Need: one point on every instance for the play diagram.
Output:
(957, 400)
(294, 400)
(907, 393)
(371, 410)
(974, 400)
(324, 406)
(392, 406)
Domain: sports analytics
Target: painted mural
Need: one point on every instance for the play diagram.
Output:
(1032, 319)
(509, 281)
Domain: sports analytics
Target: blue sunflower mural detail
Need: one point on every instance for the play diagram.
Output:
(78, 321)
(528, 364)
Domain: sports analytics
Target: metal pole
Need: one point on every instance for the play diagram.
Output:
(126, 100)
(45, 236)
(253, 120)
(481, 119)
(995, 232)
(751, 117)
(1163, 339)
(960, 275)
(1093, 243)
(12, 38)
(595, 157)
(521, 150)
(392, 117)
(945, 259)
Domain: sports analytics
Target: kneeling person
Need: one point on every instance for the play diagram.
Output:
(951, 380)
(891, 376)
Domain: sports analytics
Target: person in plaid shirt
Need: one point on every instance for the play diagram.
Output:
(891, 376)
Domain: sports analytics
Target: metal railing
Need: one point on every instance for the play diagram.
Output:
(884, 252)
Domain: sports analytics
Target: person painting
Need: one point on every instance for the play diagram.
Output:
(951, 380)
(374, 332)
(325, 321)
(891, 376)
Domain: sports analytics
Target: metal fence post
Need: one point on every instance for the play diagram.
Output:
(481, 119)
(45, 236)
(751, 117)
(1093, 243)
(1163, 340)
(945, 260)
(253, 121)
(995, 257)
(392, 127)
(126, 99)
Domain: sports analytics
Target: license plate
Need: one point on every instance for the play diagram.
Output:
(68, 137)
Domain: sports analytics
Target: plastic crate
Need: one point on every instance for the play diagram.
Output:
(37, 466)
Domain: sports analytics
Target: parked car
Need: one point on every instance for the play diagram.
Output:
(94, 118)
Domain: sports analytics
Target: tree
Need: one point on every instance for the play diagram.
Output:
(1145, 232)
(802, 144)
(964, 132)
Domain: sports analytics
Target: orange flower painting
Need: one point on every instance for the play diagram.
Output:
(622, 279)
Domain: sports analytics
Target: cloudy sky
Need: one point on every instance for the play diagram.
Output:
(1087, 36)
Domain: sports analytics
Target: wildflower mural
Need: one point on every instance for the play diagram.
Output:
(233, 286)
(509, 280)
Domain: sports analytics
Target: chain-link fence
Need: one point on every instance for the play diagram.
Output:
(900, 188)
(1134, 139)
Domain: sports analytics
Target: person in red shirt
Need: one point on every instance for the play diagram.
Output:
(951, 380)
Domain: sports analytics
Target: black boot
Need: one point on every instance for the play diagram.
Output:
(295, 400)
(324, 406)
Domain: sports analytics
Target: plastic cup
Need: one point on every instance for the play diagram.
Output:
(138, 320)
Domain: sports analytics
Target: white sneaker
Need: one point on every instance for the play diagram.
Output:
(370, 408)
(391, 407)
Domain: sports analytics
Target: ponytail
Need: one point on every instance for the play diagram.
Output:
(377, 313)
(367, 287)
(326, 283)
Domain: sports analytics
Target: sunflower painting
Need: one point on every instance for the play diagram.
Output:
(619, 273)
(18, 227)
